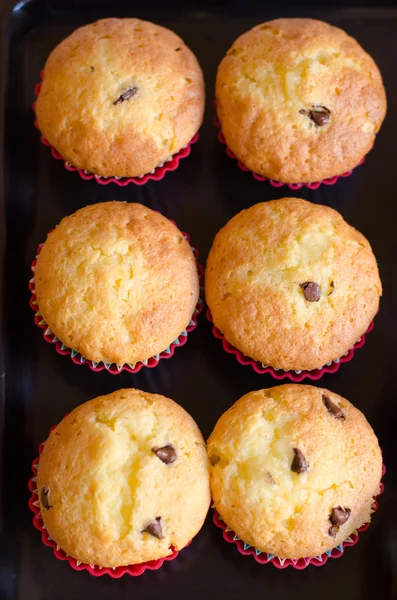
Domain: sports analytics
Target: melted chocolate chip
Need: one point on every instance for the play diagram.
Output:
(299, 463)
(92, 69)
(318, 114)
(333, 530)
(154, 528)
(311, 291)
(126, 95)
(45, 498)
(166, 454)
(339, 515)
(333, 408)
(332, 286)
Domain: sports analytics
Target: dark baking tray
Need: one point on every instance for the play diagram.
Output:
(39, 386)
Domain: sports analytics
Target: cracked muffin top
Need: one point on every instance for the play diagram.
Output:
(299, 100)
(120, 96)
(116, 282)
(291, 284)
(123, 478)
(294, 469)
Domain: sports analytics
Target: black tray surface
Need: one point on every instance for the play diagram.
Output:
(40, 386)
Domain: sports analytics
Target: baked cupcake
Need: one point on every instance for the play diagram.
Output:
(123, 479)
(299, 100)
(294, 470)
(290, 284)
(120, 96)
(116, 282)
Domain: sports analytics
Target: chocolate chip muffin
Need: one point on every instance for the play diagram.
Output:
(123, 478)
(291, 284)
(116, 282)
(294, 469)
(299, 100)
(120, 96)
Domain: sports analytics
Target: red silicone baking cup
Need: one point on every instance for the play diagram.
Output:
(264, 558)
(277, 184)
(112, 368)
(295, 376)
(95, 570)
(158, 173)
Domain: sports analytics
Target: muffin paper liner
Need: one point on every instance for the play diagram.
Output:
(277, 184)
(295, 376)
(95, 570)
(112, 368)
(264, 558)
(158, 173)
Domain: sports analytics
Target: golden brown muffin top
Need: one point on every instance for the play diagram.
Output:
(299, 100)
(291, 284)
(120, 96)
(123, 478)
(294, 469)
(117, 282)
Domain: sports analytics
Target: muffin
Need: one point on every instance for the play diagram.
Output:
(116, 282)
(123, 478)
(120, 96)
(299, 100)
(294, 469)
(290, 284)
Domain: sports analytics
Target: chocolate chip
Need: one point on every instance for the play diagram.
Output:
(92, 69)
(333, 408)
(311, 291)
(299, 464)
(214, 459)
(45, 498)
(154, 528)
(339, 515)
(178, 49)
(333, 530)
(332, 286)
(269, 478)
(167, 454)
(126, 95)
(318, 114)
